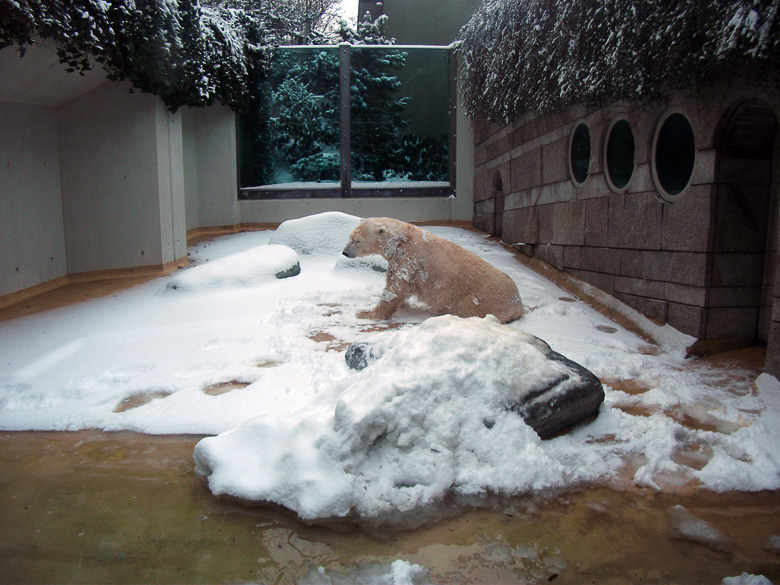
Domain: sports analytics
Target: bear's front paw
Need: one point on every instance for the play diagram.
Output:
(375, 314)
(366, 315)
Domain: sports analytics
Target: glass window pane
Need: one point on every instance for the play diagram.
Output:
(620, 154)
(675, 154)
(400, 114)
(580, 154)
(292, 136)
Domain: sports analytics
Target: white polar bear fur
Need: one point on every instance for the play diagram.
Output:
(444, 276)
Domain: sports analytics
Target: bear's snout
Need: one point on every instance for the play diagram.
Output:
(348, 251)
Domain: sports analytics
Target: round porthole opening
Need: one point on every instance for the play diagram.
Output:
(674, 155)
(619, 155)
(579, 154)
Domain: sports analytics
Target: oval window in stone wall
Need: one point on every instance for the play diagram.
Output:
(619, 154)
(579, 153)
(673, 155)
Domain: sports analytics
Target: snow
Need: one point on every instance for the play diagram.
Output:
(427, 417)
(409, 431)
(254, 266)
(399, 572)
(324, 234)
(686, 526)
(746, 579)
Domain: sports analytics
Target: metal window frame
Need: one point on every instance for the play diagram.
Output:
(346, 188)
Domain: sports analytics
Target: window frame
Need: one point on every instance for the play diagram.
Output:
(607, 135)
(346, 187)
(662, 192)
(575, 127)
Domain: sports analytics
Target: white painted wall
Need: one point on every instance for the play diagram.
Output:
(32, 241)
(170, 177)
(108, 141)
(190, 161)
(217, 167)
(463, 205)
(405, 209)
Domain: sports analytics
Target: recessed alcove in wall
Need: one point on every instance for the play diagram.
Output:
(744, 257)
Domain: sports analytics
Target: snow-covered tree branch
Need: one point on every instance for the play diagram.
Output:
(541, 55)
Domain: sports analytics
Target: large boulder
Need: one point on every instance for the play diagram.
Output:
(575, 395)
(434, 418)
(255, 266)
(322, 234)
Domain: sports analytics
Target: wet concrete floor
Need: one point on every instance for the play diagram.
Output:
(93, 507)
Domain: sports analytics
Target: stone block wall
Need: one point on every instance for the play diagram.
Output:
(690, 263)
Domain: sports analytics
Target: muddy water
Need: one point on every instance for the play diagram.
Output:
(91, 507)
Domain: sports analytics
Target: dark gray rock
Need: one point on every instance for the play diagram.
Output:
(573, 397)
(359, 355)
(293, 270)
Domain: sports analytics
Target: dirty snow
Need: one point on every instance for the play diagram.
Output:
(143, 359)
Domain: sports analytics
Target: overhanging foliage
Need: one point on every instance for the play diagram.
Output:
(185, 53)
(543, 55)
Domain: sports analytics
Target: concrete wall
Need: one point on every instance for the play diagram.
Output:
(423, 22)
(97, 178)
(122, 180)
(406, 209)
(32, 238)
(659, 257)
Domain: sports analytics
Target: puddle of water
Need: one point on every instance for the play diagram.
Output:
(224, 387)
(332, 342)
(606, 329)
(139, 399)
(632, 387)
(266, 363)
(696, 418)
(91, 507)
(694, 455)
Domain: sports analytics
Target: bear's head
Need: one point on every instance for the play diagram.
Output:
(375, 236)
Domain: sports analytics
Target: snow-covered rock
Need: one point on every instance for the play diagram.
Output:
(323, 234)
(254, 266)
(574, 396)
(431, 417)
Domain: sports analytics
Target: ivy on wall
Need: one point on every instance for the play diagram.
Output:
(185, 53)
(543, 55)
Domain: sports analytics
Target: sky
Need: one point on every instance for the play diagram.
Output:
(349, 8)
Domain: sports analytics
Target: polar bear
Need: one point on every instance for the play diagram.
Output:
(444, 276)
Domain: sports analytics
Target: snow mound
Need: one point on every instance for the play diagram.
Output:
(397, 573)
(254, 266)
(323, 234)
(426, 420)
(746, 579)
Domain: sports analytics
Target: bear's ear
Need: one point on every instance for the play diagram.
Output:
(381, 231)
